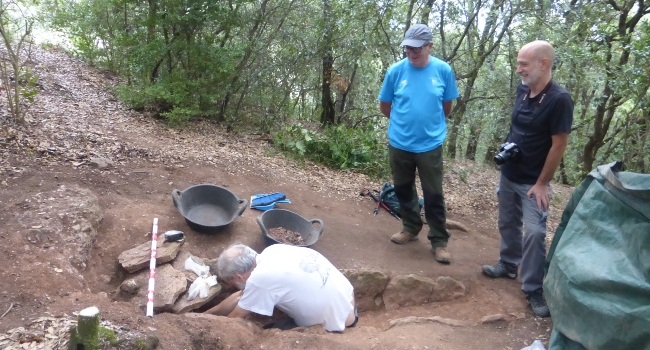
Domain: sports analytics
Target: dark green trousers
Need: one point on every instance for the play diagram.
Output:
(403, 165)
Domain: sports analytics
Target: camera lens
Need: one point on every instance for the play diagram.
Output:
(499, 159)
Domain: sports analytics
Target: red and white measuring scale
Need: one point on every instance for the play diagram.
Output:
(152, 267)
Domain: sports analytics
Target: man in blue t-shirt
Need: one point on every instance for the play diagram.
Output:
(540, 125)
(416, 96)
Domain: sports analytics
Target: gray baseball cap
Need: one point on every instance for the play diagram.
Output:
(417, 35)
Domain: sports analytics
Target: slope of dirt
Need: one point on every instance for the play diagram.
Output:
(76, 118)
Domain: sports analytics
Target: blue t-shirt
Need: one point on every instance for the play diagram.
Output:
(417, 119)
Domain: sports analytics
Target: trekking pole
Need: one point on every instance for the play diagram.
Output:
(366, 192)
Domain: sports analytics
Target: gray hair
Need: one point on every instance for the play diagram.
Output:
(236, 259)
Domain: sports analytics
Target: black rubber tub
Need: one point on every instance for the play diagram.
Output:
(208, 208)
(291, 221)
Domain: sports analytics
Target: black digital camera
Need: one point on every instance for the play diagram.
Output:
(508, 151)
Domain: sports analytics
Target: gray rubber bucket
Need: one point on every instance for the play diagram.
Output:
(207, 208)
(291, 221)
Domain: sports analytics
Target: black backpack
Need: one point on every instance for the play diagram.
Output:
(388, 197)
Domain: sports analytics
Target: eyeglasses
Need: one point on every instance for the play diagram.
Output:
(415, 49)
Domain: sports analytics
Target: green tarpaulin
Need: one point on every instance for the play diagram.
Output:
(598, 268)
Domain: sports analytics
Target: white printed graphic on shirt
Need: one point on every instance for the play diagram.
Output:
(310, 263)
(402, 83)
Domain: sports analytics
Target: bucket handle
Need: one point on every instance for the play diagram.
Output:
(176, 198)
(244, 204)
(320, 225)
(259, 222)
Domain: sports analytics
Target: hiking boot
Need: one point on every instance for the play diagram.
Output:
(500, 270)
(538, 304)
(403, 237)
(441, 255)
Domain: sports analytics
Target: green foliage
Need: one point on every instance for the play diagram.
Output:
(462, 175)
(337, 147)
(17, 81)
(28, 84)
(108, 336)
(176, 99)
(150, 342)
(257, 65)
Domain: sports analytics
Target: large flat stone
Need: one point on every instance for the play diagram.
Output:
(179, 264)
(447, 288)
(416, 320)
(138, 258)
(169, 285)
(368, 286)
(408, 290)
(182, 305)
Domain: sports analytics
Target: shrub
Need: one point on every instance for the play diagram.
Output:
(338, 147)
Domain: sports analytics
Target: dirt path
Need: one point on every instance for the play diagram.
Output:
(75, 119)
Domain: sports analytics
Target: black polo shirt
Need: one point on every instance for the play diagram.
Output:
(533, 122)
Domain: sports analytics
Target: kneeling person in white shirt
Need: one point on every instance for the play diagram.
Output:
(298, 281)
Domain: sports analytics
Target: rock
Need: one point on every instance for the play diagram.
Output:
(65, 218)
(414, 319)
(137, 258)
(447, 288)
(213, 265)
(493, 318)
(182, 305)
(368, 286)
(455, 225)
(518, 315)
(129, 287)
(407, 290)
(101, 163)
(169, 285)
(179, 264)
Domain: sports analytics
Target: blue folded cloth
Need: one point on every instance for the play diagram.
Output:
(266, 201)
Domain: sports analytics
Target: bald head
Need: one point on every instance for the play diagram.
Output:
(534, 63)
(540, 49)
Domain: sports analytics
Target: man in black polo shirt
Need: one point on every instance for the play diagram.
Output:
(540, 125)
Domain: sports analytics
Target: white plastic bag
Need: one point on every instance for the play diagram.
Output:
(201, 286)
(536, 345)
(198, 269)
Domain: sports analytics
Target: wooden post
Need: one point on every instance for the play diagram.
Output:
(86, 335)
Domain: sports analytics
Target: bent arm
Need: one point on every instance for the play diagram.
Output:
(385, 108)
(540, 189)
(560, 142)
(238, 313)
(226, 307)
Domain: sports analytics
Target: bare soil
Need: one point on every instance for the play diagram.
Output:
(76, 117)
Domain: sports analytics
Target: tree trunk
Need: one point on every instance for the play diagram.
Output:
(564, 179)
(344, 87)
(472, 144)
(328, 113)
(151, 20)
(610, 99)
(643, 131)
(86, 335)
(487, 43)
(426, 12)
(252, 36)
(457, 115)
